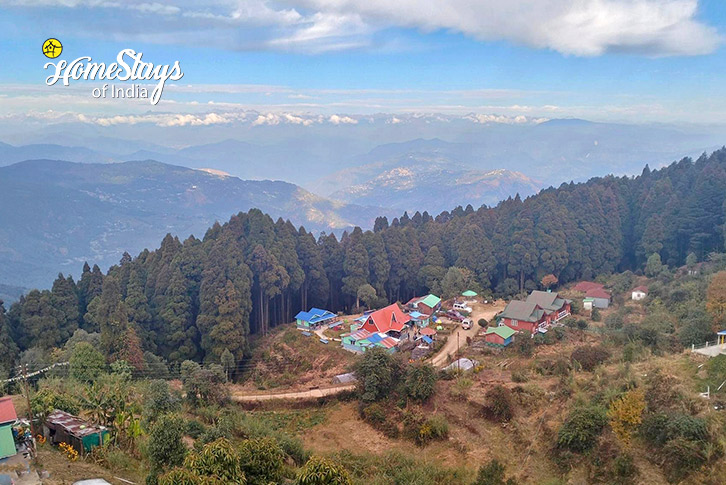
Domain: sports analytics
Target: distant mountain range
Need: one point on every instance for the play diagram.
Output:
(55, 214)
(426, 183)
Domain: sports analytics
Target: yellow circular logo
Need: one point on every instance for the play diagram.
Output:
(52, 48)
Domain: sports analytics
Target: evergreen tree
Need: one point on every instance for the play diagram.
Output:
(64, 298)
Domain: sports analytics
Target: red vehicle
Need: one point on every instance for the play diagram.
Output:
(454, 315)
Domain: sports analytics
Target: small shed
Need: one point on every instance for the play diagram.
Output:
(61, 426)
(639, 293)
(587, 303)
(8, 416)
(499, 336)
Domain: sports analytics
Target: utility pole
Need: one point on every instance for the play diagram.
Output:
(27, 398)
(458, 355)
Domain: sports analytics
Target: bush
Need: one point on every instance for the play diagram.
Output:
(320, 471)
(595, 315)
(460, 388)
(493, 473)
(589, 357)
(580, 430)
(659, 428)
(195, 429)
(376, 375)
(377, 416)
(499, 406)
(166, 448)
(262, 460)
(422, 430)
(420, 382)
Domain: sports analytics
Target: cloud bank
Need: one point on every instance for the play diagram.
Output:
(570, 27)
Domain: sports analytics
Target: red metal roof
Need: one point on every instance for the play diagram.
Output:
(644, 289)
(72, 424)
(388, 318)
(585, 286)
(597, 293)
(7, 410)
(428, 331)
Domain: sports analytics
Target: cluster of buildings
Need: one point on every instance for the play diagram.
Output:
(388, 327)
(537, 313)
(595, 295)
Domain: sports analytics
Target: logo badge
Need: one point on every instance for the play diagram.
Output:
(52, 48)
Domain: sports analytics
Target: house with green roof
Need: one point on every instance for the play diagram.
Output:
(499, 336)
(425, 304)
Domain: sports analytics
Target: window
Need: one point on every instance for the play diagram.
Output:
(515, 323)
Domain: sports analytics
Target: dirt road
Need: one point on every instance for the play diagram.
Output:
(480, 310)
(291, 396)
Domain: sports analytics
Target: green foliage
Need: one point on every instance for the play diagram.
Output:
(166, 448)
(159, 400)
(493, 473)
(321, 471)
(420, 382)
(421, 429)
(122, 369)
(376, 373)
(581, 429)
(262, 460)
(86, 363)
(595, 315)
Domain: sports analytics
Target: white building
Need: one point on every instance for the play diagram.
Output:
(640, 293)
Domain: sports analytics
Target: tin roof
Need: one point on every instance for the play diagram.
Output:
(74, 425)
(7, 410)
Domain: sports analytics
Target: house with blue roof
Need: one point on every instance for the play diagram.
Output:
(314, 318)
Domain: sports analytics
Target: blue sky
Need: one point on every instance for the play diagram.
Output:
(621, 60)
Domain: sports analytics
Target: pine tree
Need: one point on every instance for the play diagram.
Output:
(64, 298)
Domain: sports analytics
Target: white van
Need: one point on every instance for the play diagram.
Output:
(461, 306)
(466, 324)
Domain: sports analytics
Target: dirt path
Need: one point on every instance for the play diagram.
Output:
(480, 310)
(291, 396)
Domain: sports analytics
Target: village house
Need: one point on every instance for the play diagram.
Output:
(425, 304)
(536, 314)
(639, 293)
(585, 286)
(499, 336)
(314, 318)
(598, 297)
(360, 340)
(8, 416)
(61, 426)
(389, 320)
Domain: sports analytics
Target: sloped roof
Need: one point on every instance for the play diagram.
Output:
(469, 293)
(74, 425)
(503, 331)
(7, 410)
(522, 310)
(315, 315)
(585, 286)
(360, 334)
(598, 293)
(548, 300)
(389, 318)
(427, 331)
(644, 289)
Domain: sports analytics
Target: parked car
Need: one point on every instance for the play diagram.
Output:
(461, 306)
(454, 315)
(466, 324)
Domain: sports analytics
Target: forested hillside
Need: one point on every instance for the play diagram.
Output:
(194, 299)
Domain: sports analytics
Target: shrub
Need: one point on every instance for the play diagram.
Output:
(580, 430)
(493, 473)
(460, 388)
(589, 357)
(262, 460)
(595, 315)
(520, 376)
(376, 374)
(659, 428)
(166, 448)
(86, 363)
(195, 429)
(422, 430)
(624, 468)
(320, 471)
(377, 416)
(626, 414)
(420, 382)
(499, 406)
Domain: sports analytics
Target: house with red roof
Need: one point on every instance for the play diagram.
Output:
(585, 286)
(8, 416)
(639, 293)
(599, 298)
(389, 320)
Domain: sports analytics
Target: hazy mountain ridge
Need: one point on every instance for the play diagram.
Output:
(57, 214)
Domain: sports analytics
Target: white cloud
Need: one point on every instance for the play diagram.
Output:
(346, 120)
(571, 27)
(579, 27)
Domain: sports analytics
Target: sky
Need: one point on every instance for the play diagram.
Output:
(322, 61)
